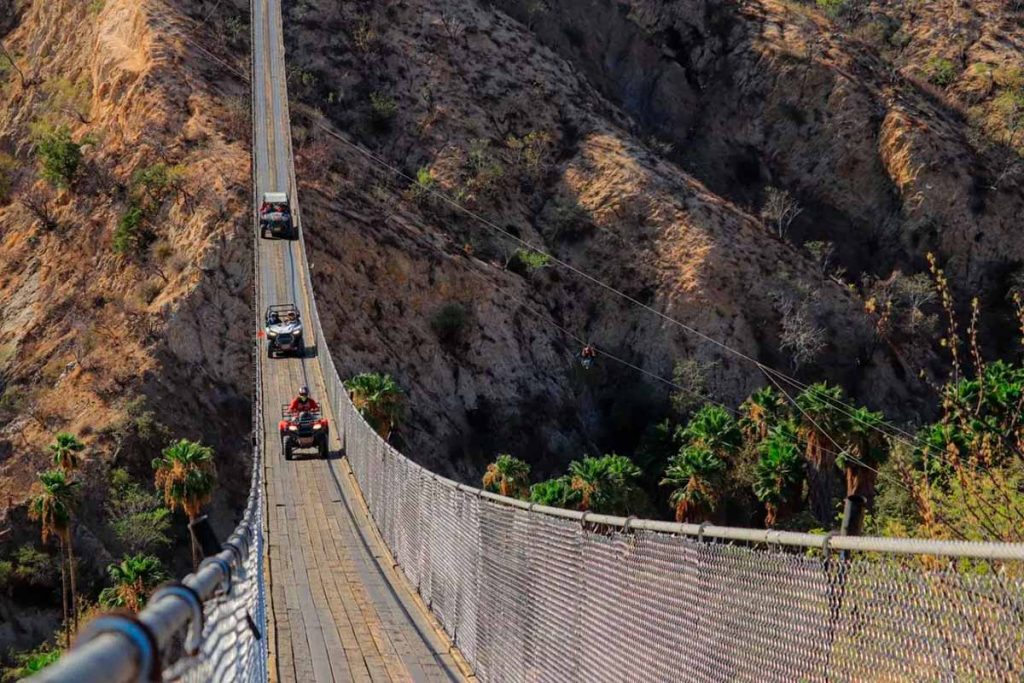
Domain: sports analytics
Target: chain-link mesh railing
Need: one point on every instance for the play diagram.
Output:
(534, 594)
(528, 595)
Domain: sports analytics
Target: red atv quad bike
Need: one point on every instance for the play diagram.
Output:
(307, 430)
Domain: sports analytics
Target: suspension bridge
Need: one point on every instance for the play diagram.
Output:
(367, 567)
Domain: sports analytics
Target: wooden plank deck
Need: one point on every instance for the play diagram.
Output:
(338, 610)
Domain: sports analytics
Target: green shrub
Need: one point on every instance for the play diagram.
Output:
(13, 400)
(60, 156)
(568, 219)
(526, 261)
(157, 180)
(149, 290)
(557, 493)
(941, 72)
(33, 567)
(833, 8)
(1009, 76)
(120, 479)
(8, 167)
(900, 39)
(70, 97)
(424, 185)
(1010, 107)
(449, 323)
(31, 662)
(131, 236)
(876, 33)
(382, 109)
(531, 152)
(486, 171)
(6, 573)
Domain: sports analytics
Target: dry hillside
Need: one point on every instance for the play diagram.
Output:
(661, 147)
(125, 288)
(640, 142)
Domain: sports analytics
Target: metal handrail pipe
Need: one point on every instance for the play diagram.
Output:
(102, 658)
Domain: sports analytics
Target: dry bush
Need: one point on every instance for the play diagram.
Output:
(779, 211)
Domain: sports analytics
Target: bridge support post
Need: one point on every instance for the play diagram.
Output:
(853, 516)
(204, 535)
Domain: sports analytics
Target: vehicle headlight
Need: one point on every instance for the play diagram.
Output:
(271, 335)
(292, 428)
(317, 426)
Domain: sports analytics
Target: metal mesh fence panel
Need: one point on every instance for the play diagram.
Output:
(231, 650)
(532, 597)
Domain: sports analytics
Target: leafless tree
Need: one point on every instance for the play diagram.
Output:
(822, 254)
(779, 211)
(84, 339)
(800, 335)
(39, 202)
(25, 82)
(454, 28)
(534, 9)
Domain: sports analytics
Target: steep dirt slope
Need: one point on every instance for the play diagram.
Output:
(464, 98)
(895, 124)
(91, 338)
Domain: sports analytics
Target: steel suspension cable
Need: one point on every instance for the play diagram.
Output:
(843, 407)
(835, 453)
(846, 453)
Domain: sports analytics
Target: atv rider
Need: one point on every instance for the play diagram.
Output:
(587, 356)
(303, 403)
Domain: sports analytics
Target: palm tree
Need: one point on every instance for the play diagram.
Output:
(713, 428)
(32, 662)
(821, 426)
(508, 476)
(557, 493)
(66, 450)
(867, 444)
(133, 578)
(585, 476)
(696, 475)
(779, 473)
(762, 409)
(53, 506)
(185, 473)
(607, 484)
(378, 398)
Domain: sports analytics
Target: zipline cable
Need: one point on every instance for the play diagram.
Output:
(841, 406)
(835, 454)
